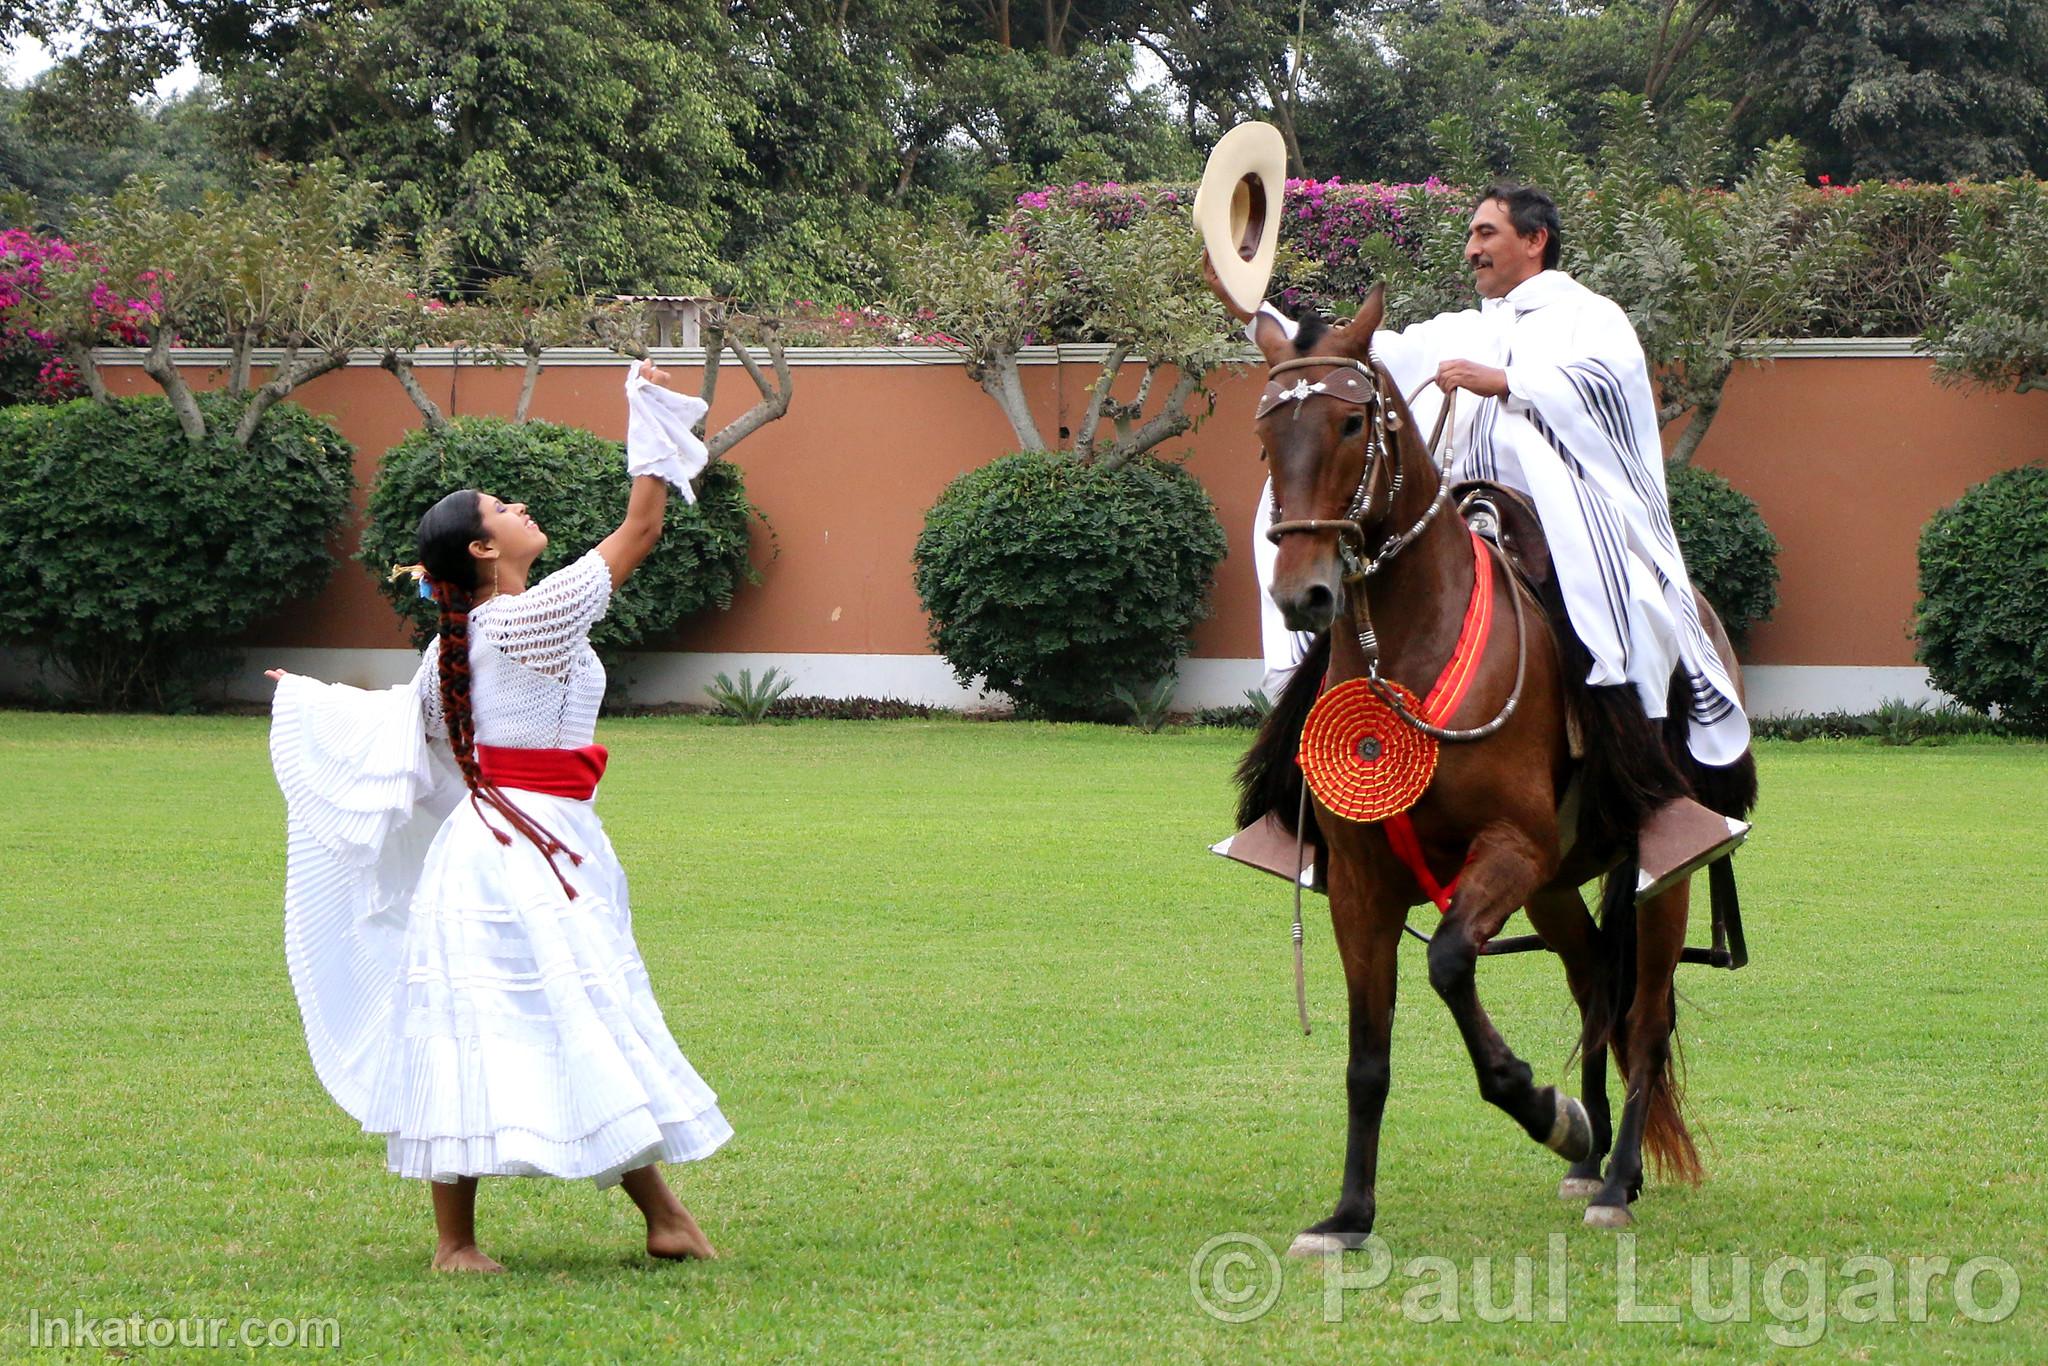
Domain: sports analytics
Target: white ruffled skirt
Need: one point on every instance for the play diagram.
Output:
(456, 1001)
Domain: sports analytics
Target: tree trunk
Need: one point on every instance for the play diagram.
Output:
(1695, 431)
(526, 385)
(1003, 384)
(80, 356)
(289, 376)
(158, 366)
(402, 368)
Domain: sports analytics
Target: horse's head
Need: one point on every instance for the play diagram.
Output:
(1336, 436)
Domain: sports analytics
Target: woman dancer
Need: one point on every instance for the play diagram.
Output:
(456, 922)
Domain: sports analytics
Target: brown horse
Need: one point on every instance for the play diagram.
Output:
(1371, 556)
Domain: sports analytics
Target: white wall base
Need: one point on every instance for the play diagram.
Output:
(668, 677)
(1813, 689)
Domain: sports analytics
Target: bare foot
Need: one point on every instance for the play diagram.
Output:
(674, 1233)
(465, 1258)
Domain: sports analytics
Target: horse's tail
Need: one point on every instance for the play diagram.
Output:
(1666, 1139)
(1268, 777)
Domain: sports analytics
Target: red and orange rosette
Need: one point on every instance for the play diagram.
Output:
(1362, 760)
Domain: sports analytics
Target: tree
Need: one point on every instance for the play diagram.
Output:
(278, 267)
(1069, 269)
(1929, 89)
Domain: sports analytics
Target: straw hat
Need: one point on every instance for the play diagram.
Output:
(1237, 209)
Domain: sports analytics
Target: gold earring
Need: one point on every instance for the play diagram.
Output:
(494, 578)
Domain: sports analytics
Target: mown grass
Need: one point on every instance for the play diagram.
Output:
(1005, 1048)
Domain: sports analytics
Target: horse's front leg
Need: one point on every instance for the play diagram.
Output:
(1505, 868)
(1368, 931)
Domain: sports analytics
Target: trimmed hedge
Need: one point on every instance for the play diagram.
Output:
(574, 484)
(131, 555)
(1058, 582)
(1730, 554)
(1982, 624)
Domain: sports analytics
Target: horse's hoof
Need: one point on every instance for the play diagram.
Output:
(1325, 1244)
(1608, 1216)
(1578, 1188)
(1571, 1133)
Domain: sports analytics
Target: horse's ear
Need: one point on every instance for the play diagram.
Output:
(1358, 332)
(1271, 338)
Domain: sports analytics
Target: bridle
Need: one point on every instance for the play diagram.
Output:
(1354, 382)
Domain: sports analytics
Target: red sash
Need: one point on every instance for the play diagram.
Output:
(554, 772)
(1451, 687)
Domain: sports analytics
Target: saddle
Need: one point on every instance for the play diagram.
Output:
(1508, 519)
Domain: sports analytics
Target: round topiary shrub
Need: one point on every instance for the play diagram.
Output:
(1729, 552)
(1057, 582)
(131, 555)
(1983, 618)
(574, 483)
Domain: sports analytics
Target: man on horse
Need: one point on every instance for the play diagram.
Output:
(1564, 415)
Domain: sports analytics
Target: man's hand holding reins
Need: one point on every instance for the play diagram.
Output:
(1487, 381)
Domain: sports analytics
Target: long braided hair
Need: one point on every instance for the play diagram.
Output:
(444, 538)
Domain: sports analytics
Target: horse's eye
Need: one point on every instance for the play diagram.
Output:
(1354, 424)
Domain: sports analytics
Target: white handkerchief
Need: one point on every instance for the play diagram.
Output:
(658, 436)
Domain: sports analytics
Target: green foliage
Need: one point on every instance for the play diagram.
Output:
(1879, 89)
(1149, 706)
(1058, 582)
(1729, 552)
(132, 555)
(1982, 624)
(574, 484)
(1892, 287)
(1993, 324)
(747, 701)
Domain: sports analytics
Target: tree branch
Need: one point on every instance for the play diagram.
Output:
(80, 355)
(1084, 442)
(402, 368)
(245, 350)
(713, 337)
(774, 398)
(1171, 422)
(289, 376)
(157, 364)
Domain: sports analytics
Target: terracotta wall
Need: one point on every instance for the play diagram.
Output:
(1846, 457)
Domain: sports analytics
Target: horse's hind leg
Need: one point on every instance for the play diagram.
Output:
(1560, 916)
(1503, 872)
(1650, 1114)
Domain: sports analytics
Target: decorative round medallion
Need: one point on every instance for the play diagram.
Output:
(1361, 759)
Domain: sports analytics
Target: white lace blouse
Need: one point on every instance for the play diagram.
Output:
(535, 683)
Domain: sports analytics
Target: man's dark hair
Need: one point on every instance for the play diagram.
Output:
(1529, 209)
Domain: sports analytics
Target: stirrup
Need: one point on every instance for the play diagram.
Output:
(1679, 838)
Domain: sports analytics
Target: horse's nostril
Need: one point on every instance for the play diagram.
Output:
(1318, 602)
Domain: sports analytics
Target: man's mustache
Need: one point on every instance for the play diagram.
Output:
(1476, 262)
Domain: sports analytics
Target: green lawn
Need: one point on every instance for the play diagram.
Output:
(1005, 1048)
